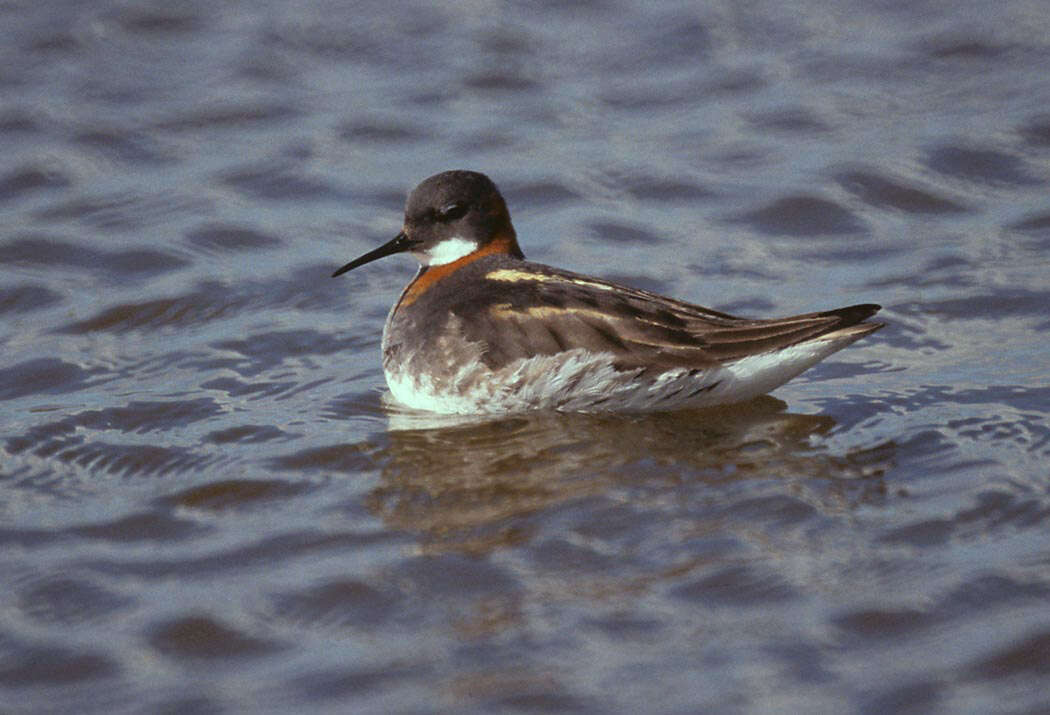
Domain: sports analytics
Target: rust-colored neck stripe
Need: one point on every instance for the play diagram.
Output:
(504, 243)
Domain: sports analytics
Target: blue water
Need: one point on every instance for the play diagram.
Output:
(207, 504)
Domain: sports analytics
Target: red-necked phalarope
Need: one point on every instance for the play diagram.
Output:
(480, 329)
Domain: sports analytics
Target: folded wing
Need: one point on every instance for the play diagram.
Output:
(545, 311)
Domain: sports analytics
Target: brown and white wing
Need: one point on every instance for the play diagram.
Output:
(531, 309)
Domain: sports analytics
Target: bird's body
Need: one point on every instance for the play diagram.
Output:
(480, 329)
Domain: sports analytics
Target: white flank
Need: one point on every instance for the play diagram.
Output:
(579, 381)
(451, 249)
(573, 381)
(758, 374)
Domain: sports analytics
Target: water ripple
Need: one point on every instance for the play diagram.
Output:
(29, 179)
(51, 252)
(67, 601)
(55, 666)
(803, 216)
(47, 376)
(234, 494)
(982, 165)
(26, 298)
(883, 192)
(200, 637)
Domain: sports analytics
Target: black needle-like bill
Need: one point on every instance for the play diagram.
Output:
(399, 244)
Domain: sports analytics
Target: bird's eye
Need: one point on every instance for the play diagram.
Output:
(451, 212)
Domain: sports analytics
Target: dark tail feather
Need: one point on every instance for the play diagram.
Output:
(852, 314)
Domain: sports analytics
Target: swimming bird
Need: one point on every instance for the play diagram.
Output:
(479, 329)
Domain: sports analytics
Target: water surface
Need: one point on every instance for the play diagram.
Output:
(206, 504)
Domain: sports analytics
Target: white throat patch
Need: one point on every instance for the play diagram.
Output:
(451, 249)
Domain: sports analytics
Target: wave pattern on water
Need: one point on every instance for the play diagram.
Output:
(207, 503)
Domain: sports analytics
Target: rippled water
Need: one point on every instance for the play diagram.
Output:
(206, 504)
